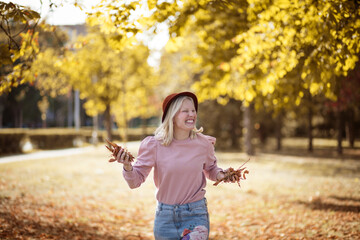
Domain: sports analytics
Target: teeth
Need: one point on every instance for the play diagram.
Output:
(189, 121)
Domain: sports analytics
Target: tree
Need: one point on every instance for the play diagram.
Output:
(260, 48)
(346, 106)
(22, 38)
(138, 96)
(213, 23)
(307, 44)
(316, 41)
(19, 41)
(48, 71)
(118, 82)
(18, 45)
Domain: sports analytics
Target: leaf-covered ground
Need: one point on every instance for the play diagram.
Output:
(85, 197)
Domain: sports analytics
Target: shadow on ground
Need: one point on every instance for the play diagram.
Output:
(333, 203)
(18, 223)
(319, 152)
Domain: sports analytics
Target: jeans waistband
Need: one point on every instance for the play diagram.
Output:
(186, 206)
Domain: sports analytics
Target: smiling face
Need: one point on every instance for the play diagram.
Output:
(184, 120)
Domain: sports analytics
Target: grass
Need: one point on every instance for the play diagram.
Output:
(85, 197)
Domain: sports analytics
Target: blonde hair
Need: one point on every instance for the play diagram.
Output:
(165, 132)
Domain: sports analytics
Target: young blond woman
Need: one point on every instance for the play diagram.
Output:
(182, 158)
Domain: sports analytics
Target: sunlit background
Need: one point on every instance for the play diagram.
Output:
(64, 14)
(278, 83)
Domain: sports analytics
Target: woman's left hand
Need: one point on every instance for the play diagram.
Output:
(224, 175)
(220, 176)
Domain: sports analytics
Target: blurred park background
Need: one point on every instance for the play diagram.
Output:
(278, 82)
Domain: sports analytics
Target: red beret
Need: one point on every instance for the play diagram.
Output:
(169, 99)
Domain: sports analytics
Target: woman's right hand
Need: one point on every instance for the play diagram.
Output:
(124, 158)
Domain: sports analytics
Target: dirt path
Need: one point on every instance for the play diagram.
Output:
(132, 146)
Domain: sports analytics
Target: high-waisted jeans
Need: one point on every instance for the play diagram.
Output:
(171, 220)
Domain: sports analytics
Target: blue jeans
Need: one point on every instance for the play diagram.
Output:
(171, 220)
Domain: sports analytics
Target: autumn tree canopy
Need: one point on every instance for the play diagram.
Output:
(252, 48)
(18, 43)
(112, 81)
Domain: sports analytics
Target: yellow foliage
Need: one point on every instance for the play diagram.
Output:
(284, 44)
(222, 100)
(286, 99)
(174, 44)
(225, 67)
(314, 88)
(20, 61)
(303, 75)
(249, 95)
(267, 88)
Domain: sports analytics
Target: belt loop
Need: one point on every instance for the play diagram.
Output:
(160, 206)
(205, 201)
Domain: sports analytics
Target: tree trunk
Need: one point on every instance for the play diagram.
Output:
(77, 110)
(125, 132)
(70, 117)
(144, 127)
(233, 133)
(279, 120)
(340, 125)
(310, 128)
(350, 127)
(94, 134)
(248, 125)
(2, 108)
(21, 117)
(43, 118)
(18, 115)
(108, 122)
(339, 117)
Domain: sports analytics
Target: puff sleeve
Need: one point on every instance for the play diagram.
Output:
(145, 161)
(210, 168)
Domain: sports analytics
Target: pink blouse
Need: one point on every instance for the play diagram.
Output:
(179, 169)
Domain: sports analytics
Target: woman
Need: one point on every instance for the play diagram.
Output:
(182, 158)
